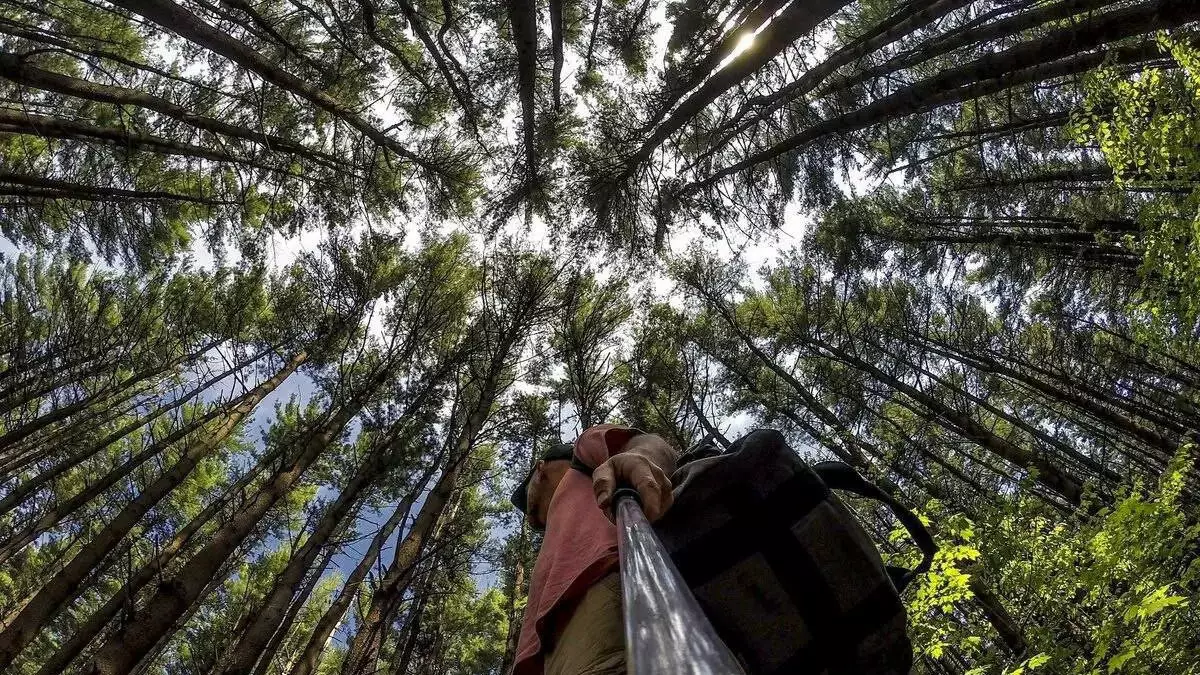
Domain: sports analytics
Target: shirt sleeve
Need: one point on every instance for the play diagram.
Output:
(595, 445)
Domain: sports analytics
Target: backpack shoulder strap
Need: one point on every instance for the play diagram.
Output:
(842, 476)
(579, 466)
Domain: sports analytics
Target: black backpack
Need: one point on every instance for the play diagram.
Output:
(788, 577)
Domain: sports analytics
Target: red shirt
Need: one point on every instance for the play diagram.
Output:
(578, 549)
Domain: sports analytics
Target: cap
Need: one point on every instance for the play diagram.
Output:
(520, 496)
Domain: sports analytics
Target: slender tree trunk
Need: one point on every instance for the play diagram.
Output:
(998, 616)
(39, 187)
(412, 630)
(126, 597)
(514, 595)
(556, 52)
(1048, 474)
(522, 17)
(104, 410)
(1035, 60)
(16, 68)
(68, 583)
(53, 375)
(588, 64)
(56, 127)
(988, 34)
(50, 384)
(363, 649)
(432, 48)
(797, 19)
(245, 653)
(133, 642)
(271, 651)
(69, 506)
(182, 22)
(311, 656)
(1055, 393)
(18, 495)
(895, 28)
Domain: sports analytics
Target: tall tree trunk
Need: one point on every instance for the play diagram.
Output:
(797, 19)
(242, 657)
(128, 646)
(311, 656)
(182, 22)
(522, 17)
(591, 48)
(909, 20)
(41, 187)
(49, 384)
(16, 68)
(990, 33)
(363, 649)
(67, 507)
(1049, 475)
(514, 596)
(1031, 61)
(271, 650)
(556, 52)
(103, 410)
(67, 584)
(57, 127)
(432, 48)
(18, 495)
(1070, 396)
(412, 630)
(126, 596)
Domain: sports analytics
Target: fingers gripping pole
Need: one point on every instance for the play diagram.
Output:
(666, 632)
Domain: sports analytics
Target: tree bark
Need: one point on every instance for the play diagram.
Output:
(432, 48)
(16, 68)
(362, 652)
(588, 64)
(987, 34)
(311, 657)
(126, 596)
(67, 584)
(19, 494)
(886, 33)
(271, 650)
(55, 127)
(1031, 61)
(128, 646)
(556, 52)
(54, 516)
(797, 19)
(182, 22)
(243, 656)
(1048, 474)
(47, 188)
(522, 17)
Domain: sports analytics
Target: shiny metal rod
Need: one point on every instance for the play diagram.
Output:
(666, 632)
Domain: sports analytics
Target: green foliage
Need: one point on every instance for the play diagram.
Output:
(1148, 128)
(1109, 593)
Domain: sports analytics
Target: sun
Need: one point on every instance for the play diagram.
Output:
(744, 43)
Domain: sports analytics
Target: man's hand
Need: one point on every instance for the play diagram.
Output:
(644, 464)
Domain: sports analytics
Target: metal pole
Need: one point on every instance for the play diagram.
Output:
(666, 632)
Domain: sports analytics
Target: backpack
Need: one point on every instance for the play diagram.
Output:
(788, 577)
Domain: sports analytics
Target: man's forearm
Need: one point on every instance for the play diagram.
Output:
(655, 449)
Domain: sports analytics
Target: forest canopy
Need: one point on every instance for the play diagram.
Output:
(293, 291)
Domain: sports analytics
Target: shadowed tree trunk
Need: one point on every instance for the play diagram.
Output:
(68, 582)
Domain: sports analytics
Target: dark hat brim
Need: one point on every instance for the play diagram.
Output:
(520, 496)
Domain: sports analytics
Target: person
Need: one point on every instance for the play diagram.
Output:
(572, 623)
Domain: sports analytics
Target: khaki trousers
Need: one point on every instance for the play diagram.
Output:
(592, 642)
